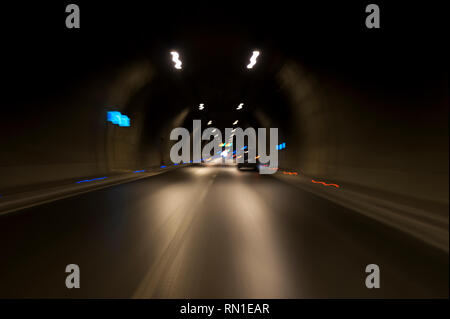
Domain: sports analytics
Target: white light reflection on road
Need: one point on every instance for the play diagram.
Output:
(215, 239)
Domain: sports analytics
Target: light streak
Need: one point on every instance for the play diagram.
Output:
(176, 60)
(253, 59)
(325, 184)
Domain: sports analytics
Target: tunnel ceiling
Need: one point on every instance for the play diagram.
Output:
(215, 43)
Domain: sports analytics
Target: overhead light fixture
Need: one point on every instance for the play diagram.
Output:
(253, 59)
(176, 59)
(209, 123)
(201, 106)
(240, 106)
(235, 122)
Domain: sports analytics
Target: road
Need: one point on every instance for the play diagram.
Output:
(210, 232)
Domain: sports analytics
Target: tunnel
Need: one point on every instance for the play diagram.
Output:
(362, 175)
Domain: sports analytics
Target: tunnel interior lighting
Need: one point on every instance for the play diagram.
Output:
(124, 121)
(113, 117)
(325, 184)
(253, 59)
(91, 180)
(240, 106)
(201, 106)
(209, 123)
(118, 118)
(235, 122)
(281, 146)
(176, 59)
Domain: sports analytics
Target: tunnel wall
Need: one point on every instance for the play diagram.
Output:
(68, 137)
(369, 137)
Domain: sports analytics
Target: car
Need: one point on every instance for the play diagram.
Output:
(246, 165)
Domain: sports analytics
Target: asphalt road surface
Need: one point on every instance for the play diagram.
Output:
(210, 232)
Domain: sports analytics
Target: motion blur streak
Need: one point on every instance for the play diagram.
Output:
(260, 257)
(210, 232)
(91, 180)
(323, 183)
(253, 59)
(175, 59)
(257, 254)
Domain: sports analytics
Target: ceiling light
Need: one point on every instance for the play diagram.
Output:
(176, 59)
(253, 59)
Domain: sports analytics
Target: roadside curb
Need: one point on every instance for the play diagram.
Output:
(15, 202)
(424, 225)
